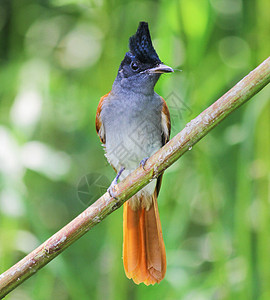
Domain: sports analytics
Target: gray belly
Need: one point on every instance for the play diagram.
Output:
(133, 131)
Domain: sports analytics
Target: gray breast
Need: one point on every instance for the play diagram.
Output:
(132, 128)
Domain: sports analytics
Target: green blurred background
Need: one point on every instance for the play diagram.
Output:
(57, 58)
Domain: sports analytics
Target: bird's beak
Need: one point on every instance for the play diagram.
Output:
(161, 68)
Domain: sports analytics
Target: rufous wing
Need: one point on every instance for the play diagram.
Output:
(99, 124)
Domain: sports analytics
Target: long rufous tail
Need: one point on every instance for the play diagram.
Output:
(143, 249)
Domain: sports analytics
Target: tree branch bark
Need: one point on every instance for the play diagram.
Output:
(155, 165)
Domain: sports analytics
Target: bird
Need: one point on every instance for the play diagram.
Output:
(133, 122)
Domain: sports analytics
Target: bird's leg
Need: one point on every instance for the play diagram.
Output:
(143, 162)
(111, 188)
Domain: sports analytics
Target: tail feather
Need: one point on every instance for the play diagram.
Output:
(143, 250)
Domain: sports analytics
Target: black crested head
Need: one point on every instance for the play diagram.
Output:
(141, 67)
(140, 45)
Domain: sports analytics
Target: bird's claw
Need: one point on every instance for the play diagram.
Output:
(143, 162)
(111, 190)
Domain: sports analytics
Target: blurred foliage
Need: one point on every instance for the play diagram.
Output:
(57, 58)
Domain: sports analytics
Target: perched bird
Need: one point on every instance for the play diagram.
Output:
(133, 122)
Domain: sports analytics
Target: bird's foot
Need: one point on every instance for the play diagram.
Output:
(143, 162)
(111, 190)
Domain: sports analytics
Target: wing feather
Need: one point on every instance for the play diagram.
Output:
(99, 124)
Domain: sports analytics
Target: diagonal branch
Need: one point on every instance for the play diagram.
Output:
(161, 160)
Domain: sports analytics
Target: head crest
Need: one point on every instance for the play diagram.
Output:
(141, 46)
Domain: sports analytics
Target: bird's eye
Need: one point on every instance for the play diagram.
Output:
(134, 66)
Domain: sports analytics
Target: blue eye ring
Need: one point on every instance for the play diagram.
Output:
(134, 66)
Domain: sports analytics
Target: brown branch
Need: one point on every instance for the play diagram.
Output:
(161, 160)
